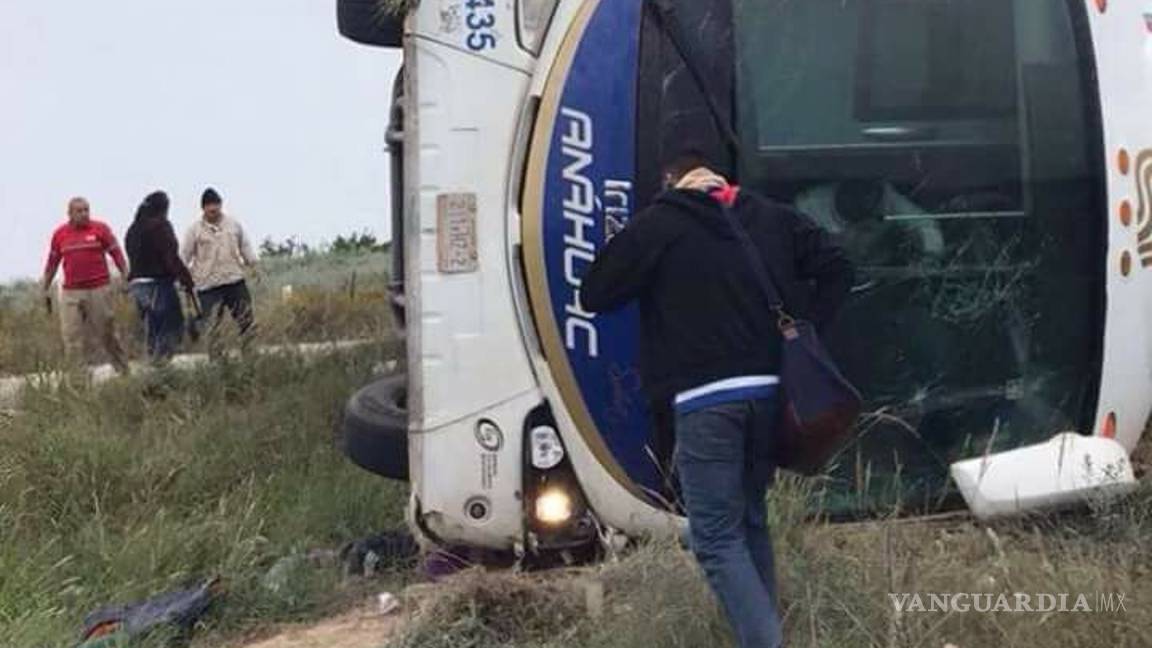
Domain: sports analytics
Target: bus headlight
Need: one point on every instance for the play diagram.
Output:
(532, 20)
(553, 507)
(547, 451)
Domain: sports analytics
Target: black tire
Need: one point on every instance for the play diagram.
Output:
(376, 427)
(367, 23)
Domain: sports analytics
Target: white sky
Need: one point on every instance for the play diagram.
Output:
(260, 98)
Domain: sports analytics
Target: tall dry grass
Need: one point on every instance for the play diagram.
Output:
(152, 483)
(835, 582)
(156, 481)
(332, 296)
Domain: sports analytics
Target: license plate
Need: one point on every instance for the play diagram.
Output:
(456, 233)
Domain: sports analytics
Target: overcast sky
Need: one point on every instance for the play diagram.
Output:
(259, 98)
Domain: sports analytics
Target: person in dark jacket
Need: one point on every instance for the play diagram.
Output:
(710, 347)
(154, 259)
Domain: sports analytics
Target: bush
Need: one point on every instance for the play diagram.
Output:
(355, 243)
(288, 248)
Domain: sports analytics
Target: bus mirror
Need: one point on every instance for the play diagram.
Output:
(379, 23)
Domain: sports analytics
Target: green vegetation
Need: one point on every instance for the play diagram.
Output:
(331, 296)
(158, 481)
(354, 243)
(155, 483)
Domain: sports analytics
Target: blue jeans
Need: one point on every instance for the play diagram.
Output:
(724, 458)
(159, 307)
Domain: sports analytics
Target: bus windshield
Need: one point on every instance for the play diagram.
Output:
(951, 147)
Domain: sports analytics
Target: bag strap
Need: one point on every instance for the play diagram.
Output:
(785, 322)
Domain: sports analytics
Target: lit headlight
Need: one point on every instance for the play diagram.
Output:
(553, 507)
(547, 451)
(532, 19)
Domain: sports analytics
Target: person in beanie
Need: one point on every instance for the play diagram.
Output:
(86, 299)
(154, 258)
(711, 350)
(219, 253)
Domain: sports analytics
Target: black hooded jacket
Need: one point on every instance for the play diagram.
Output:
(153, 252)
(703, 317)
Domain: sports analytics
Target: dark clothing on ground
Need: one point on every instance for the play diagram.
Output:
(159, 306)
(703, 316)
(153, 252)
(234, 297)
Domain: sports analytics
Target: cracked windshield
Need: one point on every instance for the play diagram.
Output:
(964, 190)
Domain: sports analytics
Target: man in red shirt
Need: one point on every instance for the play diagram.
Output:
(86, 309)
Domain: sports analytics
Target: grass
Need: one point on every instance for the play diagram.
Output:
(652, 598)
(333, 296)
(835, 581)
(156, 482)
(146, 485)
(152, 483)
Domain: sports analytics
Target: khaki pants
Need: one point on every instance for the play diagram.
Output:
(86, 320)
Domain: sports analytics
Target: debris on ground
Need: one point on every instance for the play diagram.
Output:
(279, 578)
(388, 603)
(379, 552)
(364, 628)
(173, 611)
(445, 561)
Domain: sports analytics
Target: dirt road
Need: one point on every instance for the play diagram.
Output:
(364, 628)
(11, 386)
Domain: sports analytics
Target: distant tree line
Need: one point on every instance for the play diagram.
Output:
(354, 243)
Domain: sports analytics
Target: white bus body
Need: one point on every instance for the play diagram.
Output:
(997, 199)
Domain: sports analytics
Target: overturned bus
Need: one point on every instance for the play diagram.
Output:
(987, 164)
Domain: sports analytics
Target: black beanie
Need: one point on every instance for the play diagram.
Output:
(210, 197)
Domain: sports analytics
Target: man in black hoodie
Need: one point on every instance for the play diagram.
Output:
(154, 258)
(710, 347)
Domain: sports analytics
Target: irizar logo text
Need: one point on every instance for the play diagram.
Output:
(582, 203)
(1099, 602)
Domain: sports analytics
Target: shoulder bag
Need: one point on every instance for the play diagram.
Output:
(819, 406)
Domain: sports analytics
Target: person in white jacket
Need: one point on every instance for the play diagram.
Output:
(219, 255)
